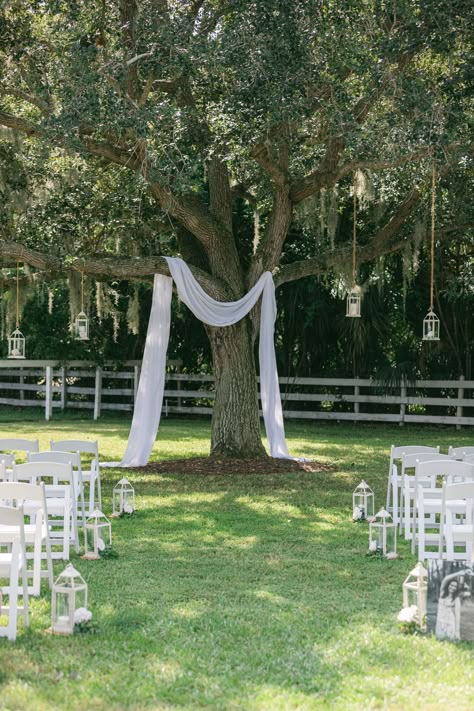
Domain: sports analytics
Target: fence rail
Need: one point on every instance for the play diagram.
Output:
(113, 386)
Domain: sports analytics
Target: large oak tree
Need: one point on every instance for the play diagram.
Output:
(211, 104)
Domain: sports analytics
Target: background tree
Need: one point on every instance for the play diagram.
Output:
(216, 114)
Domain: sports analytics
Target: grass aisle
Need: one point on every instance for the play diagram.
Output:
(248, 592)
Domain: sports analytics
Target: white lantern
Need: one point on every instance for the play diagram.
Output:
(97, 535)
(16, 345)
(353, 303)
(383, 535)
(362, 502)
(415, 591)
(81, 327)
(69, 598)
(123, 498)
(431, 327)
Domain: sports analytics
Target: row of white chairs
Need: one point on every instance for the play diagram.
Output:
(438, 524)
(42, 504)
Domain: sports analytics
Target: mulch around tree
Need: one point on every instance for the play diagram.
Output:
(217, 466)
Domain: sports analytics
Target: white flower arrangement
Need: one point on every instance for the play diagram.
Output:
(408, 614)
(128, 509)
(372, 546)
(357, 513)
(82, 615)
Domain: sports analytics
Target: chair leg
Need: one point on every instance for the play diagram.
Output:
(13, 593)
(24, 579)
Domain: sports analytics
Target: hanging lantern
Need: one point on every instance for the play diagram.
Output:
(383, 535)
(81, 324)
(123, 498)
(353, 302)
(16, 342)
(363, 502)
(81, 327)
(431, 327)
(415, 591)
(69, 604)
(97, 535)
(431, 321)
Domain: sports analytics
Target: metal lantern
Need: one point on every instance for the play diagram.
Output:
(97, 535)
(383, 535)
(81, 327)
(69, 598)
(16, 344)
(353, 303)
(123, 498)
(362, 502)
(431, 327)
(415, 591)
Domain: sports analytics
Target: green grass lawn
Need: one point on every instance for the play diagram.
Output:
(238, 592)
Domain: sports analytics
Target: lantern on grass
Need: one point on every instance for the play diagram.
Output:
(81, 324)
(415, 591)
(16, 342)
(123, 498)
(69, 606)
(362, 502)
(383, 535)
(97, 535)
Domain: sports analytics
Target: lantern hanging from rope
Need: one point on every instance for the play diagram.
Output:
(431, 321)
(81, 324)
(16, 342)
(353, 301)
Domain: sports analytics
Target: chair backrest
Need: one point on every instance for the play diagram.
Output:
(7, 459)
(460, 490)
(12, 516)
(82, 446)
(19, 491)
(451, 470)
(469, 458)
(55, 473)
(19, 445)
(73, 458)
(409, 461)
(397, 452)
(461, 452)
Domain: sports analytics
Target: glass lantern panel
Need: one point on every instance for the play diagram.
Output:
(390, 539)
(104, 536)
(63, 613)
(370, 506)
(410, 595)
(375, 539)
(80, 598)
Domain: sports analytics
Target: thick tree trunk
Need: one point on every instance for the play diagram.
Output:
(235, 420)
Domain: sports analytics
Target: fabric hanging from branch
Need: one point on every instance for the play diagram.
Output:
(147, 411)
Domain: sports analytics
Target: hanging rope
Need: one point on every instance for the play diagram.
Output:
(82, 292)
(18, 294)
(433, 198)
(354, 232)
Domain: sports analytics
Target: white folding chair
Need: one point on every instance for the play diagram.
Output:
(394, 478)
(11, 445)
(408, 467)
(428, 502)
(60, 501)
(90, 476)
(12, 567)
(74, 459)
(456, 531)
(33, 498)
(461, 452)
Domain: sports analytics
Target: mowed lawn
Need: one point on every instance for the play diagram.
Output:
(238, 592)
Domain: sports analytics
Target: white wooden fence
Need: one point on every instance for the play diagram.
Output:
(80, 384)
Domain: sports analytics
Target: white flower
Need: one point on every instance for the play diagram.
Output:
(372, 546)
(408, 614)
(357, 513)
(82, 614)
(100, 544)
(128, 508)
(392, 555)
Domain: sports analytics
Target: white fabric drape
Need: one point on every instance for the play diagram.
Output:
(146, 416)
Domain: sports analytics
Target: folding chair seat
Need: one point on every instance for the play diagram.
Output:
(60, 501)
(394, 482)
(90, 475)
(428, 502)
(408, 467)
(457, 531)
(32, 496)
(13, 567)
(74, 459)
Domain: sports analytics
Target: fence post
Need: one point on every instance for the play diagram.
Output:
(460, 396)
(63, 388)
(48, 405)
(403, 396)
(22, 380)
(356, 394)
(97, 392)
